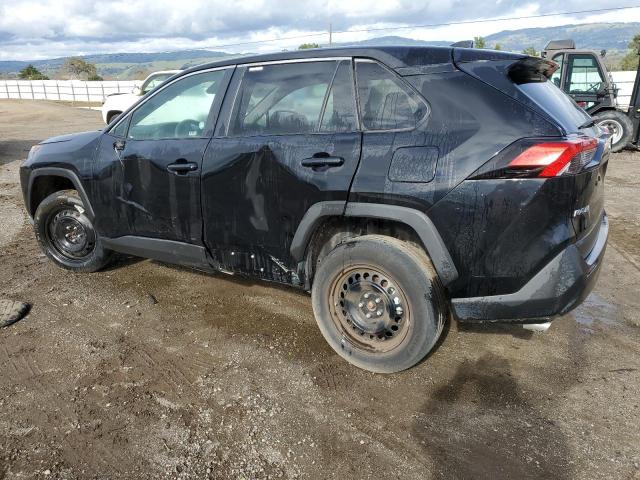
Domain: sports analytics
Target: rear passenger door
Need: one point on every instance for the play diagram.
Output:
(290, 140)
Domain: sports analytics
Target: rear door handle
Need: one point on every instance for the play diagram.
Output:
(323, 162)
(182, 167)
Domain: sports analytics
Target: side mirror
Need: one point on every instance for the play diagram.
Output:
(136, 90)
(114, 119)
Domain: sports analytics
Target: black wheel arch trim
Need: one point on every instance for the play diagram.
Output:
(60, 172)
(420, 222)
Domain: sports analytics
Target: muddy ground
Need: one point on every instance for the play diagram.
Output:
(226, 378)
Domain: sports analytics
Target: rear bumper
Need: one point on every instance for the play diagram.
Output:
(558, 288)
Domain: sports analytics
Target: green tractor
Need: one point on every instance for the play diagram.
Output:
(584, 76)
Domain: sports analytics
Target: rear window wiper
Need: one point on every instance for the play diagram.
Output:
(589, 123)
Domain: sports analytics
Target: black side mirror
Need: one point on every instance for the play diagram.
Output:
(114, 119)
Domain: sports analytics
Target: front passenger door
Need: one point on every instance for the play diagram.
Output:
(157, 165)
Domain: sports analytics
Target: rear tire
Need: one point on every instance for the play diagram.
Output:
(618, 124)
(379, 303)
(66, 233)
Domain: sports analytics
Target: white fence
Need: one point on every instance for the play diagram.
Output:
(72, 90)
(81, 91)
(624, 81)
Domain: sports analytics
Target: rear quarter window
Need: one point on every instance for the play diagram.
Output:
(386, 103)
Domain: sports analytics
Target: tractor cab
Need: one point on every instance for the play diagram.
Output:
(583, 75)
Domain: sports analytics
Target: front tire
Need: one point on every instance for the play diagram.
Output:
(618, 124)
(378, 303)
(66, 234)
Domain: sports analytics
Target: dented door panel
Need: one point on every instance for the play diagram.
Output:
(256, 190)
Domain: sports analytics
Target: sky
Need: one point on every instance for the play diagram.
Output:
(39, 29)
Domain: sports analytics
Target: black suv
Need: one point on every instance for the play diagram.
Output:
(396, 184)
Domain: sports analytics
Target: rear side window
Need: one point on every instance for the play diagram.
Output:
(385, 102)
(294, 98)
(340, 111)
(556, 78)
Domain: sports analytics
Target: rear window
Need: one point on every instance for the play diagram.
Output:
(556, 104)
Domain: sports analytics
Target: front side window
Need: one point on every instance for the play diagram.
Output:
(583, 74)
(290, 98)
(180, 110)
(556, 78)
(385, 102)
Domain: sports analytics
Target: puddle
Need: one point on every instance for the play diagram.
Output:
(595, 310)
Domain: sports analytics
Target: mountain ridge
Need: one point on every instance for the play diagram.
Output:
(613, 37)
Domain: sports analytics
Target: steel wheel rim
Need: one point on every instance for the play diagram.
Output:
(370, 309)
(70, 234)
(614, 128)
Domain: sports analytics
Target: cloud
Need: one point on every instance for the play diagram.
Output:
(33, 29)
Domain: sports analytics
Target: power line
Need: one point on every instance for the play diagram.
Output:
(466, 22)
(444, 24)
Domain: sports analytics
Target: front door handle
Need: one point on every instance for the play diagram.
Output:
(319, 161)
(182, 167)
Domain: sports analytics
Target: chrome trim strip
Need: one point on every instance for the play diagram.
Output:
(294, 60)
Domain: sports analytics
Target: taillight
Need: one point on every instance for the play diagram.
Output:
(540, 158)
(551, 159)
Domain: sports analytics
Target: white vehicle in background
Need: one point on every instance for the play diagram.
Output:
(117, 103)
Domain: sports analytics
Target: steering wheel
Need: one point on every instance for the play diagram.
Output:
(185, 127)
(594, 88)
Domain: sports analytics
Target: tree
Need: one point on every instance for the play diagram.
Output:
(77, 68)
(305, 46)
(497, 46)
(531, 51)
(630, 60)
(479, 42)
(31, 73)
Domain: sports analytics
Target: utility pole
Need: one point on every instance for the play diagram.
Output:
(330, 34)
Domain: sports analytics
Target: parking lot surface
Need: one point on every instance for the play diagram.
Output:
(148, 370)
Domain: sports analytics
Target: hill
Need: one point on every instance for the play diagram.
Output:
(614, 37)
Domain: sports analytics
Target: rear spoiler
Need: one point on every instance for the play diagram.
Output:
(517, 67)
(531, 70)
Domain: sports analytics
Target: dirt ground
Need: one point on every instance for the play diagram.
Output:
(152, 371)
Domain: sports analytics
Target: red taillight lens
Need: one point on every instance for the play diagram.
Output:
(555, 158)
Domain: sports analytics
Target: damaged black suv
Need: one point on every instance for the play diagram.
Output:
(397, 184)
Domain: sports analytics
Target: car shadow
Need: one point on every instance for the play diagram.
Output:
(481, 423)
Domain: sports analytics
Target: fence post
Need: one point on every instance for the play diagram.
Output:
(58, 90)
(86, 86)
(102, 89)
(31, 88)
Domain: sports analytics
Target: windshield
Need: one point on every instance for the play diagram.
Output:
(153, 81)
